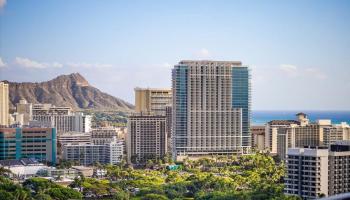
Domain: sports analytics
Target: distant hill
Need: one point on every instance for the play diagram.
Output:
(67, 90)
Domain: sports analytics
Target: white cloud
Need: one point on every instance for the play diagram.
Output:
(294, 71)
(167, 65)
(2, 63)
(88, 65)
(290, 70)
(203, 53)
(28, 63)
(57, 65)
(25, 62)
(315, 73)
(2, 3)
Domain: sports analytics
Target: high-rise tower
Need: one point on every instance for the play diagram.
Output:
(4, 104)
(211, 108)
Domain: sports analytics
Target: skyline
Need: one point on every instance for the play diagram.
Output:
(289, 58)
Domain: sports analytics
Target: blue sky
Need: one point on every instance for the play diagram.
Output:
(299, 51)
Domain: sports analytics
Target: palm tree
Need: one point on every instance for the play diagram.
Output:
(5, 172)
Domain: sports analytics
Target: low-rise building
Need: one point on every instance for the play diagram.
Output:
(23, 168)
(89, 153)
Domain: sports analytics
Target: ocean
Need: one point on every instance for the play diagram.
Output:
(261, 117)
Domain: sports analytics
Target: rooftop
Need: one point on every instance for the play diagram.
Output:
(283, 122)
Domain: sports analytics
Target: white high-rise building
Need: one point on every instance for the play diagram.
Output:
(26, 109)
(211, 108)
(89, 153)
(62, 118)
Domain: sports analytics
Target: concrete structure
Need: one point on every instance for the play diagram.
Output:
(258, 137)
(316, 172)
(146, 138)
(169, 123)
(103, 135)
(4, 104)
(271, 132)
(62, 118)
(88, 153)
(307, 173)
(211, 108)
(49, 109)
(17, 119)
(337, 132)
(152, 100)
(305, 134)
(339, 173)
(23, 168)
(73, 138)
(38, 143)
(26, 109)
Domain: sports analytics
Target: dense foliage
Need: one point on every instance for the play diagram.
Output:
(247, 177)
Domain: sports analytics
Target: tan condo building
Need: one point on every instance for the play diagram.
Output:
(152, 100)
(4, 104)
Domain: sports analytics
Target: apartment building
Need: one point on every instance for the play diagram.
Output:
(62, 118)
(38, 143)
(317, 172)
(4, 104)
(211, 108)
(307, 173)
(89, 153)
(146, 138)
(271, 133)
(152, 100)
(307, 134)
(103, 135)
(336, 132)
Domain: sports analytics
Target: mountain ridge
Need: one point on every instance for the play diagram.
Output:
(66, 90)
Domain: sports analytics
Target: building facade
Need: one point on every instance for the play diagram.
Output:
(152, 100)
(211, 108)
(103, 135)
(146, 138)
(298, 136)
(26, 109)
(38, 143)
(307, 173)
(317, 172)
(62, 118)
(4, 104)
(258, 137)
(89, 153)
(271, 133)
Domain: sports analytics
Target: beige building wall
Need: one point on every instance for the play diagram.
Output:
(4, 104)
(258, 137)
(152, 100)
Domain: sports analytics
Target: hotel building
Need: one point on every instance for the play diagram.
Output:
(316, 172)
(146, 138)
(4, 104)
(89, 153)
(62, 118)
(152, 100)
(38, 143)
(211, 108)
